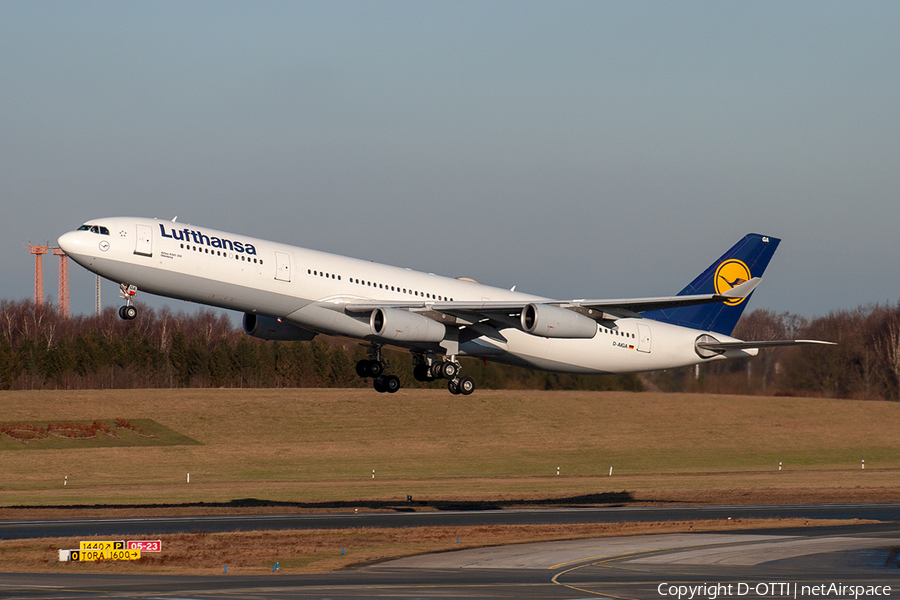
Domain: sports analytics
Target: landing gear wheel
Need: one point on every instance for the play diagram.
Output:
(448, 370)
(391, 383)
(453, 387)
(422, 373)
(362, 368)
(375, 368)
(466, 386)
(378, 384)
(434, 371)
(128, 313)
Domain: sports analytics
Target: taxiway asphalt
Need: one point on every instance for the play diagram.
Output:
(638, 567)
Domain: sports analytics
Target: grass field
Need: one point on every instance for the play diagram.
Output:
(53, 435)
(312, 449)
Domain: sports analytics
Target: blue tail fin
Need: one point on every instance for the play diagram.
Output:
(748, 258)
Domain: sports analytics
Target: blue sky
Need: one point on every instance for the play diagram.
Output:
(578, 149)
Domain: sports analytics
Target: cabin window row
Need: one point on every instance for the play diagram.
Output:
(220, 253)
(381, 286)
(619, 333)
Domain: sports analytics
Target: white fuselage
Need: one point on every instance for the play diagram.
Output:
(299, 286)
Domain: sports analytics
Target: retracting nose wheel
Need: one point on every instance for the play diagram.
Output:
(127, 312)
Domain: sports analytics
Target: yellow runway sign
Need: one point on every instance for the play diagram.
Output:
(88, 555)
(93, 555)
(102, 545)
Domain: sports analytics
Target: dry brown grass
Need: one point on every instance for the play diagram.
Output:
(314, 450)
(319, 551)
(318, 447)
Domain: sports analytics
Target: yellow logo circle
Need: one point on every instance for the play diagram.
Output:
(731, 273)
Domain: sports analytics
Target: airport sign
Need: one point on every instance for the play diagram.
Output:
(102, 545)
(145, 545)
(101, 554)
(88, 555)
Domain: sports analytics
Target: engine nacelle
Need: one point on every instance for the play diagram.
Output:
(267, 328)
(546, 320)
(404, 326)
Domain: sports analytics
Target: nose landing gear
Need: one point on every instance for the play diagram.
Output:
(127, 312)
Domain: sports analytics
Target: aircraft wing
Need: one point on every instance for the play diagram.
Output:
(722, 346)
(605, 309)
(630, 307)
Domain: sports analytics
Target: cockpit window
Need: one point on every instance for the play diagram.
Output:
(95, 229)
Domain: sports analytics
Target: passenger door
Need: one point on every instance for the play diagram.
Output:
(282, 266)
(643, 338)
(143, 245)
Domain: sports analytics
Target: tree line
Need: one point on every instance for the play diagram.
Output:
(166, 349)
(864, 365)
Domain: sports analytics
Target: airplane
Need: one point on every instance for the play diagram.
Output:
(292, 293)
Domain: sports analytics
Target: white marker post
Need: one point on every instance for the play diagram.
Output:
(610, 471)
(66, 482)
(864, 463)
(779, 465)
(189, 478)
(373, 473)
(557, 471)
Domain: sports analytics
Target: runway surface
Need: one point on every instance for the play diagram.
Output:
(774, 564)
(31, 528)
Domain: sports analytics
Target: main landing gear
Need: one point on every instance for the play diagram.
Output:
(374, 368)
(127, 312)
(427, 368)
(430, 369)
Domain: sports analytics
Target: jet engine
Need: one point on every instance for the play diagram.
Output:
(404, 326)
(267, 328)
(546, 320)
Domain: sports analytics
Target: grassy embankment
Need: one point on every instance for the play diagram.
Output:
(315, 449)
(318, 447)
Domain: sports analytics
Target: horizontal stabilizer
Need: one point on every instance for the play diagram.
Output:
(723, 346)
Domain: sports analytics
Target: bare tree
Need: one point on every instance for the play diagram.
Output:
(887, 346)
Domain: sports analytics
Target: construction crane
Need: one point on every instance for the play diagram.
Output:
(39, 252)
(63, 304)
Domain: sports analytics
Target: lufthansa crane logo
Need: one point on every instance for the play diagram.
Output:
(731, 273)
